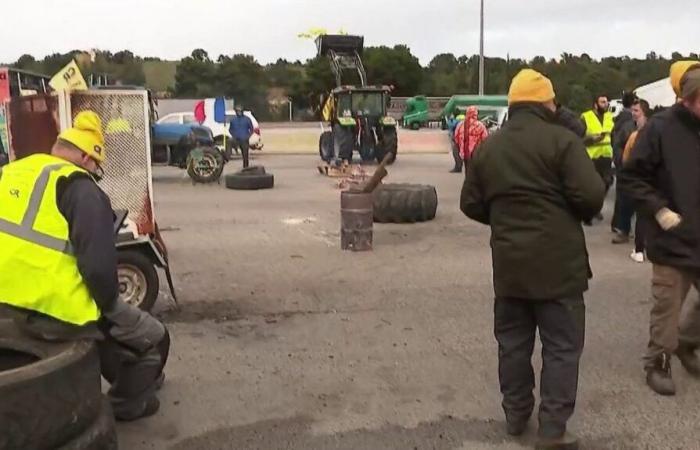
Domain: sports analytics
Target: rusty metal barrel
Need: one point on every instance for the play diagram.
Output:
(356, 221)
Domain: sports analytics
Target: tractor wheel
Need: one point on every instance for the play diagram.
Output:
(325, 146)
(388, 144)
(405, 203)
(343, 144)
(205, 164)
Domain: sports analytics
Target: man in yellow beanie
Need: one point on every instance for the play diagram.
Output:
(57, 226)
(662, 176)
(533, 184)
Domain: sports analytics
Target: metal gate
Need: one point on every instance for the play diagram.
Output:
(35, 121)
(127, 130)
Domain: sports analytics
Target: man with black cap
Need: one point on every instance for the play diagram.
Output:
(533, 184)
(662, 176)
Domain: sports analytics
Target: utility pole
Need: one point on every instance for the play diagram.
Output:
(481, 52)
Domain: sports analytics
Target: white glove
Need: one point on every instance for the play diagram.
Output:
(668, 219)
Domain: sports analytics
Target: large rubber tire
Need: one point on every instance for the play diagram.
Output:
(210, 167)
(45, 404)
(405, 203)
(100, 435)
(325, 146)
(389, 143)
(249, 180)
(138, 279)
(343, 141)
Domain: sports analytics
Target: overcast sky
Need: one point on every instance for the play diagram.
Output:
(268, 29)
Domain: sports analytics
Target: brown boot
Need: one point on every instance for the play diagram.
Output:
(566, 441)
(689, 359)
(659, 376)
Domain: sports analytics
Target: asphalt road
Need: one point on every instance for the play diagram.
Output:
(286, 342)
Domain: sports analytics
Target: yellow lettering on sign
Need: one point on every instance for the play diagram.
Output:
(69, 78)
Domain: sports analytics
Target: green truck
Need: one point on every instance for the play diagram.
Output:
(418, 112)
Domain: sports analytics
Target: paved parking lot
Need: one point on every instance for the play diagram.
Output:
(286, 342)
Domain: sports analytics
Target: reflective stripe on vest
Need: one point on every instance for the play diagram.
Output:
(602, 149)
(25, 230)
(38, 271)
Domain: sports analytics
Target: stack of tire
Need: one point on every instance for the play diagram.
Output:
(251, 178)
(50, 395)
(405, 203)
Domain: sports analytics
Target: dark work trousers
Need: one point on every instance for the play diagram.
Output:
(604, 168)
(624, 211)
(132, 374)
(561, 325)
(244, 146)
(456, 156)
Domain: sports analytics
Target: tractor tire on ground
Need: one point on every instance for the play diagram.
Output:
(100, 435)
(325, 146)
(405, 203)
(206, 168)
(138, 279)
(252, 178)
(343, 144)
(51, 392)
(388, 144)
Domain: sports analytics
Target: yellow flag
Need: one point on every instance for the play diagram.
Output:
(327, 111)
(312, 33)
(69, 78)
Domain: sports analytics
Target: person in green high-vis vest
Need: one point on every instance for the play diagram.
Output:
(599, 125)
(58, 266)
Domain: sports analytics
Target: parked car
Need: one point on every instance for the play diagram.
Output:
(219, 130)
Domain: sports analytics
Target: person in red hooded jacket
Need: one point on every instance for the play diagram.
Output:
(475, 135)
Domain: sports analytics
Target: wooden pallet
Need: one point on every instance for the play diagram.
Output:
(334, 171)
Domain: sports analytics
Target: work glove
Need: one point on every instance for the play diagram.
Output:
(133, 327)
(668, 219)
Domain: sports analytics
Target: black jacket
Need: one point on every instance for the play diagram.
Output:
(533, 183)
(663, 170)
(623, 129)
(91, 222)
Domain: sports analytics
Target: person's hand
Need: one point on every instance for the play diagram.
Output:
(668, 219)
(599, 137)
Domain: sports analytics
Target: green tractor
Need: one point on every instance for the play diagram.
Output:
(357, 115)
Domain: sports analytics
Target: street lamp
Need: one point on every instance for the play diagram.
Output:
(481, 52)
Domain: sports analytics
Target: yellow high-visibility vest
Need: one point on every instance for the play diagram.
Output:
(38, 271)
(602, 149)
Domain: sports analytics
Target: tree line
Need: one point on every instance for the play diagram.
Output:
(267, 88)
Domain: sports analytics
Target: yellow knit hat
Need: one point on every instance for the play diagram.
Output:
(678, 69)
(86, 134)
(530, 86)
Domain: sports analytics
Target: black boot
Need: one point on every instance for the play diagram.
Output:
(659, 376)
(516, 427)
(456, 170)
(689, 359)
(566, 441)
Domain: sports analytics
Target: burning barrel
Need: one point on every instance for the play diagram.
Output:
(356, 220)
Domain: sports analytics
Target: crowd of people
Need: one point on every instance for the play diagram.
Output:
(535, 182)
